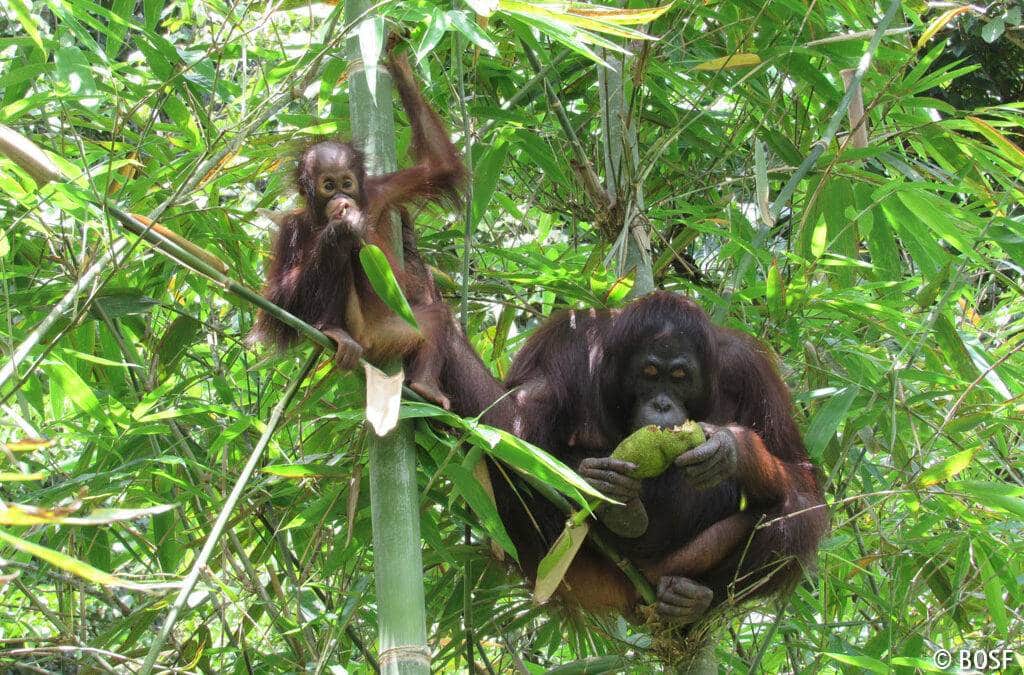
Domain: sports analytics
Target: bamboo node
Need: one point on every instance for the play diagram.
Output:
(418, 654)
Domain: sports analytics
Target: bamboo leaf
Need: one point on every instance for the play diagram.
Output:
(482, 504)
(307, 471)
(939, 22)
(516, 453)
(555, 564)
(764, 210)
(923, 665)
(827, 420)
(472, 32)
(385, 285)
(1011, 151)
(945, 469)
(175, 341)
(775, 293)
(994, 592)
(23, 13)
(998, 496)
(439, 23)
(485, 178)
(595, 22)
(861, 661)
(371, 39)
(28, 444)
(67, 563)
(593, 665)
(23, 515)
(731, 62)
(81, 394)
(17, 477)
(629, 17)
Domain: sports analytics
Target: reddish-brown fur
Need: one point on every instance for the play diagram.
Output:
(315, 273)
(572, 399)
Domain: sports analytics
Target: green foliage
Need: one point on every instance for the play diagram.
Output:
(382, 279)
(891, 287)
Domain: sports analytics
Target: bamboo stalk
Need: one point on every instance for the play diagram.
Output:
(468, 627)
(621, 180)
(394, 500)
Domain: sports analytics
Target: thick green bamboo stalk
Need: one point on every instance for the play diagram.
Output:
(394, 501)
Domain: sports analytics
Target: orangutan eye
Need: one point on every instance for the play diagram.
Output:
(651, 370)
(678, 374)
(328, 185)
(348, 184)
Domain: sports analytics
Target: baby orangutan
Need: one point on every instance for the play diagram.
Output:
(315, 273)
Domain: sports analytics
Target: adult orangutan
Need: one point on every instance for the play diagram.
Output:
(740, 514)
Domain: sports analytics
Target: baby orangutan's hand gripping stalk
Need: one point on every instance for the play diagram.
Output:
(315, 272)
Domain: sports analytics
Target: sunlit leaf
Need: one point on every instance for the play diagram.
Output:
(23, 13)
(611, 23)
(945, 469)
(28, 444)
(627, 17)
(307, 471)
(22, 514)
(15, 477)
(67, 563)
(730, 62)
(939, 22)
(1010, 150)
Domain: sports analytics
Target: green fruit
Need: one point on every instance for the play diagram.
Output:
(653, 450)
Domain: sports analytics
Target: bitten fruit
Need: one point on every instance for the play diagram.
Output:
(653, 449)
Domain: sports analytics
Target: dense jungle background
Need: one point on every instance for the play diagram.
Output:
(886, 272)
